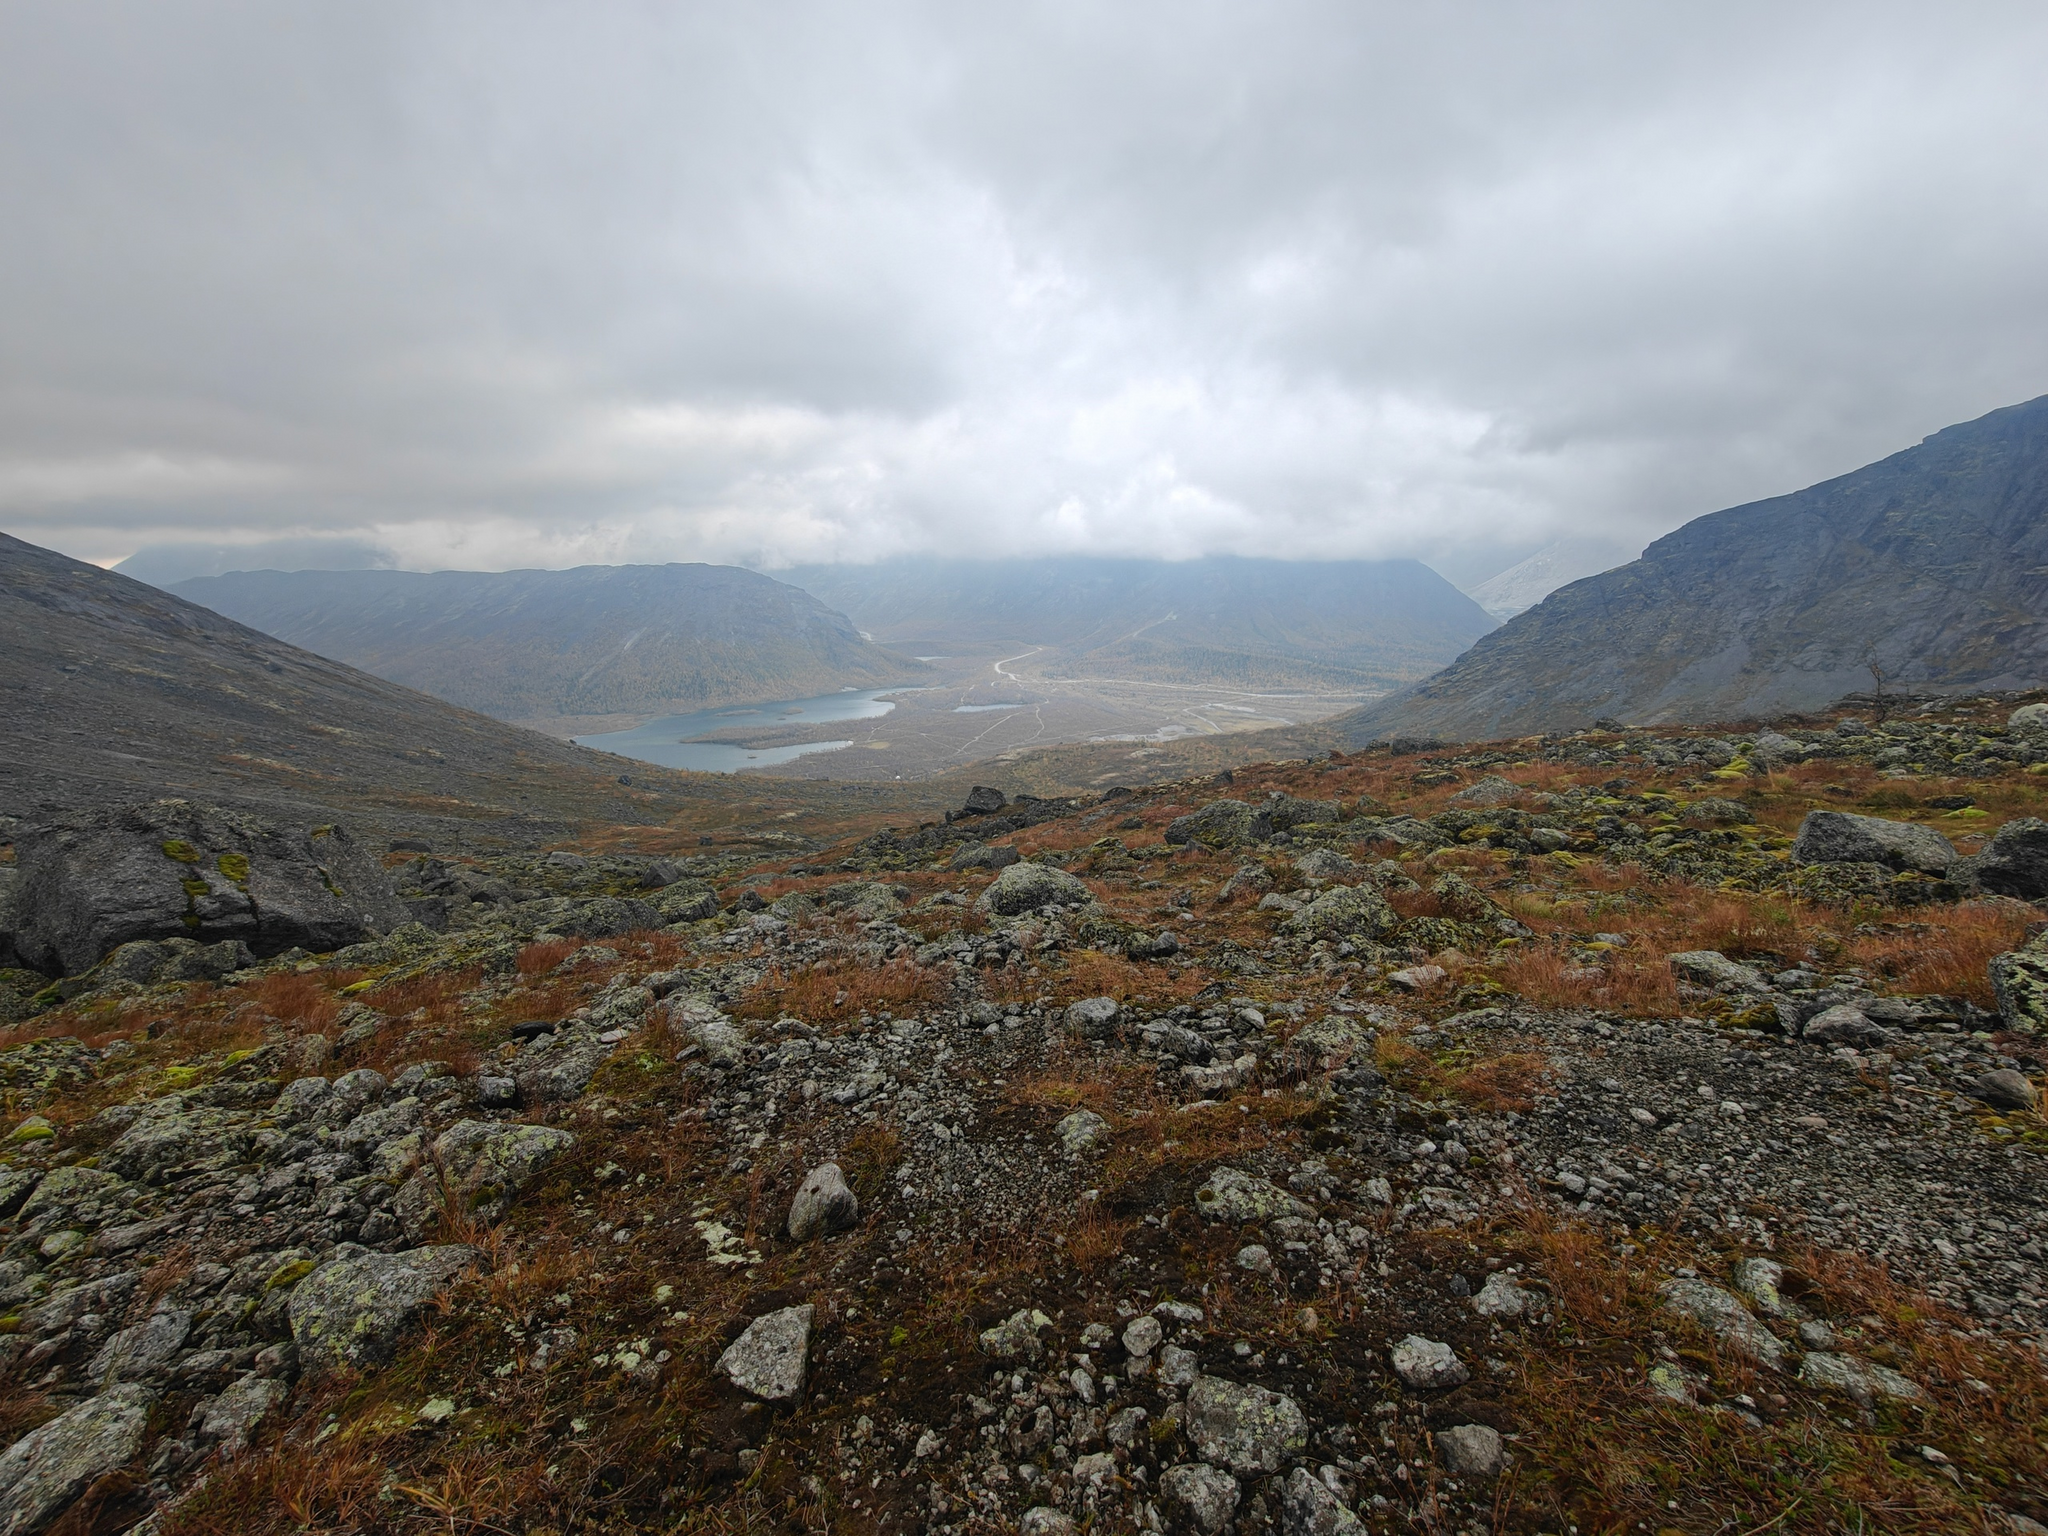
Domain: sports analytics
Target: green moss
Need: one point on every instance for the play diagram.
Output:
(182, 851)
(235, 866)
(195, 887)
(289, 1274)
(181, 1077)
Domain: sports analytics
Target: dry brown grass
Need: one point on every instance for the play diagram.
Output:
(307, 1003)
(540, 959)
(838, 990)
(1946, 950)
(1631, 983)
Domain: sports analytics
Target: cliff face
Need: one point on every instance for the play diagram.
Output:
(1931, 565)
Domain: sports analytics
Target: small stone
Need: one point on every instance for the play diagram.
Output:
(1843, 1025)
(1143, 1335)
(1427, 1365)
(768, 1361)
(1254, 1257)
(1815, 1334)
(1470, 1450)
(1417, 978)
(1670, 1383)
(144, 1349)
(1200, 1497)
(1081, 1130)
(823, 1203)
(1759, 1279)
(1127, 1426)
(1711, 968)
(1016, 1336)
(1501, 1297)
(231, 1418)
(1178, 1367)
(1044, 1520)
(1309, 1508)
(1092, 1018)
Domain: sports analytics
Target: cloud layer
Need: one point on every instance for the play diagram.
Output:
(525, 284)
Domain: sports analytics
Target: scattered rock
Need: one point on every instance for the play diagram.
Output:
(1837, 837)
(1244, 1429)
(1234, 1196)
(1309, 1508)
(234, 1416)
(143, 1349)
(768, 1361)
(48, 1467)
(1199, 1496)
(1417, 978)
(1143, 1335)
(478, 1168)
(1427, 1365)
(351, 1311)
(1092, 1018)
(1044, 1520)
(1220, 824)
(1759, 1279)
(1491, 790)
(1711, 968)
(1081, 1130)
(1471, 1450)
(1860, 1379)
(1725, 1317)
(1016, 1336)
(1030, 888)
(1843, 1025)
(1501, 1297)
(824, 1203)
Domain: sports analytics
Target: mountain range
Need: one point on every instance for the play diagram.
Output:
(593, 641)
(1927, 571)
(116, 692)
(1225, 620)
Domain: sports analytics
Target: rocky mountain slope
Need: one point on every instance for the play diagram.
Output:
(115, 692)
(1613, 1131)
(1525, 584)
(594, 641)
(1930, 567)
(1320, 624)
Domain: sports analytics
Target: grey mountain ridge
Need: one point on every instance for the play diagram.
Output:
(595, 640)
(1930, 565)
(1243, 622)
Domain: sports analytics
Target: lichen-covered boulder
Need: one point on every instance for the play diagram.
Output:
(350, 1313)
(706, 1026)
(1232, 1195)
(47, 1468)
(142, 1349)
(1221, 824)
(175, 869)
(1347, 912)
(476, 1169)
(553, 1069)
(1309, 1508)
(1710, 968)
(36, 1070)
(1244, 1429)
(1200, 1497)
(2019, 980)
(1031, 887)
(1725, 1317)
(1838, 837)
(768, 1361)
(2015, 861)
(686, 901)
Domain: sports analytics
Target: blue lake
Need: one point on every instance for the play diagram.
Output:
(668, 741)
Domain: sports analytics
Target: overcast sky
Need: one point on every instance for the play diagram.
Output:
(503, 284)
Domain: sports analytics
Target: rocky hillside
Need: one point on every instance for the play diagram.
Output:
(1928, 570)
(116, 692)
(1313, 624)
(594, 641)
(1611, 1132)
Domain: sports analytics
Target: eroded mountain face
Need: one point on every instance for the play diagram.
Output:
(1924, 570)
(1615, 1128)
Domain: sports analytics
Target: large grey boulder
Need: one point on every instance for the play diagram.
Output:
(49, 1467)
(1348, 912)
(2015, 861)
(1244, 1429)
(1199, 1497)
(1837, 837)
(1030, 887)
(231, 1418)
(351, 1312)
(2019, 980)
(175, 869)
(769, 1359)
(553, 1069)
(1221, 824)
(824, 1203)
(1711, 968)
(1093, 1018)
(476, 1169)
